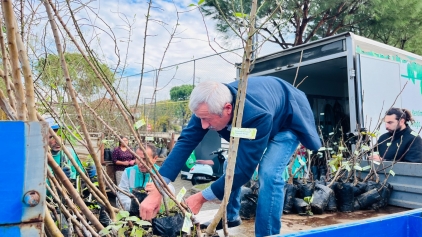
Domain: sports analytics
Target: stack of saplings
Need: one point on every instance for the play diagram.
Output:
(316, 197)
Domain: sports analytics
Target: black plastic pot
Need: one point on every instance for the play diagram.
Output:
(360, 188)
(289, 200)
(169, 226)
(107, 154)
(248, 206)
(140, 194)
(367, 199)
(305, 190)
(301, 206)
(345, 197)
(320, 198)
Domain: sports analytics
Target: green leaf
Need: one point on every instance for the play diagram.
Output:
(308, 199)
(200, 2)
(143, 223)
(192, 5)
(122, 231)
(347, 167)
(241, 15)
(365, 148)
(357, 167)
(139, 232)
(105, 231)
(392, 173)
(117, 226)
(132, 218)
(122, 214)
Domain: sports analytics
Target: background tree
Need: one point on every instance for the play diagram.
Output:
(297, 22)
(396, 23)
(181, 93)
(82, 75)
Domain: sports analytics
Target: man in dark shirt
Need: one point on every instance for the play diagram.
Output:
(400, 143)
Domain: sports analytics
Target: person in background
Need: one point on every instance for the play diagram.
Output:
(137, 176)
(400, 143)
(63, 161)
(122, 158)
(280, 116)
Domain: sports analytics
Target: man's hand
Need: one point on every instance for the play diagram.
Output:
(195, 202)
(131, 162)
(375, 157)
(151, 204)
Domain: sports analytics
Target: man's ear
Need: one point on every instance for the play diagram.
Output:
(402, 121)
(228, 107)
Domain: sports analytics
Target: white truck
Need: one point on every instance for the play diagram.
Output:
(351, 80)
(362, 75)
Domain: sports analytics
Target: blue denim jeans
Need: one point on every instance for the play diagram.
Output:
(271, 185)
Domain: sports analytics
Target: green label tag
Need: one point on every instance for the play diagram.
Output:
(139, 124)
(249, 133)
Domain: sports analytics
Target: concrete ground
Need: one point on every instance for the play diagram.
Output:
(290, 223)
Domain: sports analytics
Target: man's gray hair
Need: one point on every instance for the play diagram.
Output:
(212, 93)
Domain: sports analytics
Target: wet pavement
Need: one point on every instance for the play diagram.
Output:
(290, 223)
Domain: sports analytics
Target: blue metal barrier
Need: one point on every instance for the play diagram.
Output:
(404, 224)
(22, 175)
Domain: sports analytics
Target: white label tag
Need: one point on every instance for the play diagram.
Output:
(249, 133)
(181, 194)
(414, 134)
(187, 223)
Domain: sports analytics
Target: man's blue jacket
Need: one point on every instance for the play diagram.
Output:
(272, 105)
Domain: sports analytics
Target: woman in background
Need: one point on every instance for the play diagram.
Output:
(122, 158)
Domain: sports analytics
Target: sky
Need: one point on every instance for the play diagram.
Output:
(118, 38)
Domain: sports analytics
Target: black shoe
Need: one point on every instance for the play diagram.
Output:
(230, 224)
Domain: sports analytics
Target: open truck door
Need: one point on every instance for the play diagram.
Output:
(379, 87)
(385, 83)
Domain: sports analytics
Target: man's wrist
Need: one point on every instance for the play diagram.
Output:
(208, 194)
